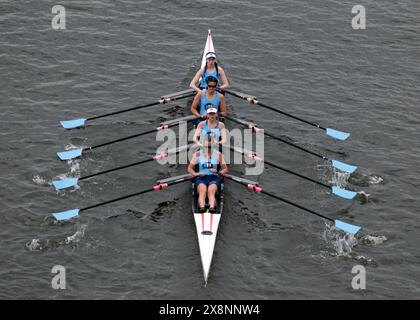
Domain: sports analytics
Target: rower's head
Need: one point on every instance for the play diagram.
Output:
(211, 57)
(211, 111)
(211, 83)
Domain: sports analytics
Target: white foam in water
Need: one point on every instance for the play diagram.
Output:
(35, 245)
(74, 166)
(373, 240)
(343, 243)
(366, 261)
(75, 238)
(339, 179)
(40, 181)
(375, 180)
(365, 195)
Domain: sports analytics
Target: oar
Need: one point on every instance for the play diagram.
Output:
(75, 123)
(343, 193)
(73, 181)
(331, 132)
(75, 153)
(66, 215)
(337, 164)
(338, 223)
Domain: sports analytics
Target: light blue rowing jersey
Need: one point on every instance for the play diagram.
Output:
(207, 74)
(215, 133)
(205, 101)
(205, 164)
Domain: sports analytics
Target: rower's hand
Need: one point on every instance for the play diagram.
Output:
(204, 116)
(207, 143)
(213, 171)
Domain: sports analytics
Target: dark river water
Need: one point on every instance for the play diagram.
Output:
(302, 56)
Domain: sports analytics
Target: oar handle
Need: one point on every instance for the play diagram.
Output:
(154, 188)
(258, 189)
(115, 169)
(290, 115)
(121, 139)
(254, 127)
(296, 205)
(161, 101)
(296, 174)
(133, 136)
(253, 100)
(155, 157)
(125, 110)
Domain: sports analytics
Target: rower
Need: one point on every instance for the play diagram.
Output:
(211, 69)
(209, 97)
(208, 182)
(211, 126)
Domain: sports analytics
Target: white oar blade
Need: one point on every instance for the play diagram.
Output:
(71, 154)
(340, 135)
(343, 166)
(349, 228)
(343, 193)
(66, 215)
(71, 124)
(65, 183)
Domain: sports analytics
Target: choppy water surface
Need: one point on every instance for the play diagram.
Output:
(302, 56)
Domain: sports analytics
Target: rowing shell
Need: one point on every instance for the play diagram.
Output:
(207, 223)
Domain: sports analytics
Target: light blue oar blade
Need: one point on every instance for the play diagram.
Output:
(71, 154)
(346, 227)
(65, 183)
(71, 124)
(343, 193)
(340, 135)
(65, 215)
(343, 166)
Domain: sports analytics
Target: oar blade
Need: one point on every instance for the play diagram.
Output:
(347, 227)
(343, 193)
(75, 123)
(66, 215)
(71, 154)
(65, 183)
(343, 166)
(340, 135)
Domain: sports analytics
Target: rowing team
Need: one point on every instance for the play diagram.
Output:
(210, 134)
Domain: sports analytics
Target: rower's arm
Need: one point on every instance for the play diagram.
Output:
(195, 104)
(223, 165)
(223, 131)
(224, 79)
(193, 84)
(197, 134)
(192, 164)
(223, 109)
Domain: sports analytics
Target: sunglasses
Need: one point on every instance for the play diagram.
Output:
(211, 59)
(212, 87)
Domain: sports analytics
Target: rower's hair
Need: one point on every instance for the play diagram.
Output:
(212, 79)
(215, 65)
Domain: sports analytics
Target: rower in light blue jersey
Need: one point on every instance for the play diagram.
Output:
(210, 127)
(211, 69)
(208, 182)
(208, 97)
